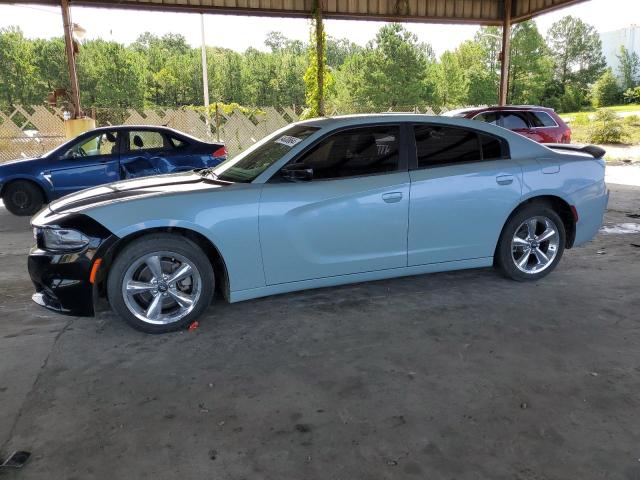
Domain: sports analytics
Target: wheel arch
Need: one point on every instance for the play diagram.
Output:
(213, 254)
(23, 178)
(560, 206)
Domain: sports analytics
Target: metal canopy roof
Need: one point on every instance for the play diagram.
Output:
(483, 12)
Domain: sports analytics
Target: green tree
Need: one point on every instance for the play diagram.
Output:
(18, 73)
(110, 75)
(50, 60)
(530, 65)
(629, 69)
(489, 40)
(390, 71)
(577, 52)
(158, 52)
(450, 81)
(338, 50)
(605, 91)
(277, 42)
(314, 97)
(482, 83)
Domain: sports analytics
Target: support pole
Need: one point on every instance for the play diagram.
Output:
(504, 55)
(320, 56)
(71, 58)
(205, 77)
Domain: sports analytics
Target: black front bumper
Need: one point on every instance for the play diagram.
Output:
(61, 280)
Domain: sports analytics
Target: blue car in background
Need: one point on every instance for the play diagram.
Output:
(100, 156)
(319, 203)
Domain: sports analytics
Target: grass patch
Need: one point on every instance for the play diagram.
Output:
(630, 107)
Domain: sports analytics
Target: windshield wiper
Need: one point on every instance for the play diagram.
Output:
(207, 172)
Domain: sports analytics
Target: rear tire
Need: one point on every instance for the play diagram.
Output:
(160, 283)
(23, 198)
(531, 243)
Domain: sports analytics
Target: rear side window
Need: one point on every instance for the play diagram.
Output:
(436, 145)
(513, 121)
(542, 119)
(487, 117)
(350, 153)
(147, 140)
(176, 142)
(491, 148)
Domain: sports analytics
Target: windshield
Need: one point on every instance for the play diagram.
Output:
(249, 164)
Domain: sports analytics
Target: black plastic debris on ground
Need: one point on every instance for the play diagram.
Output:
(16, 460)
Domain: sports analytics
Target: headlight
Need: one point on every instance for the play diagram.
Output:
(61, 239)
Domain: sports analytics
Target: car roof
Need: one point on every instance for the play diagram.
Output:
(373, 118)
(497, 108)
(516, 141)
(135, 127)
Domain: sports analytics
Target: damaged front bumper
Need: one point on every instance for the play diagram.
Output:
(62, 280)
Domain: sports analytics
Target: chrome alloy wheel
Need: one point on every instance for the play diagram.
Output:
(535, 245)
(161, 287)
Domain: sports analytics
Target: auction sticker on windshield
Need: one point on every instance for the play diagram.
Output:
(288, 140)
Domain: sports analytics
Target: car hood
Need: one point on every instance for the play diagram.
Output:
(129, 190)
(19, 164)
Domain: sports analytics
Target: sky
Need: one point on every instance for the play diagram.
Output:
(239, 33)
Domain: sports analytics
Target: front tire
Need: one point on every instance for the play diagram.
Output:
(160, 283)
(23, 198)
(531, 243)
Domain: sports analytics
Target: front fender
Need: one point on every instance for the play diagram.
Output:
(227, 218)
(39, 180)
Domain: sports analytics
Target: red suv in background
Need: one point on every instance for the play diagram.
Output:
(537, 123)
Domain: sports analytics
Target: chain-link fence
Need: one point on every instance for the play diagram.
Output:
(30, 131)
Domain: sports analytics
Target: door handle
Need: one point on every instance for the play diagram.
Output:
(392, 197)
(504, 179)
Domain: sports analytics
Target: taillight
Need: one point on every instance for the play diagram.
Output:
(220, 153)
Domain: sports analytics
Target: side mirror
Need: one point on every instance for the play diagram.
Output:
(299, 174)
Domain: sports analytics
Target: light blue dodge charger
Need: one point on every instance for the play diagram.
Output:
(318, 203)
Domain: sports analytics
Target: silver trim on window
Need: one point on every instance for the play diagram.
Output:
(519, 111)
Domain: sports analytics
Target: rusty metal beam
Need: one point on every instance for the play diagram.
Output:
(504, 55)
(320, 55)
(71, 58)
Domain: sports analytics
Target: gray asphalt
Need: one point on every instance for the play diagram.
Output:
(461, 375)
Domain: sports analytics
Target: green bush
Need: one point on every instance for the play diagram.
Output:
(606, 127)
(605, 91)
(632, 95)
(632, 121)
(580, 120)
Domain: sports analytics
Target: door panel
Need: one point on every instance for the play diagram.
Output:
(457, 211)
(146, 152)
(90, 162)
(334, 227)
(71, 178)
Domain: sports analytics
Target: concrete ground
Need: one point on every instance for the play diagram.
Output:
(461, 375)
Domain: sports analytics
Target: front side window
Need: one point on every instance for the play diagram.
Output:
(246, 166)
(147, 140)
(103, 143)
(354, 152)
